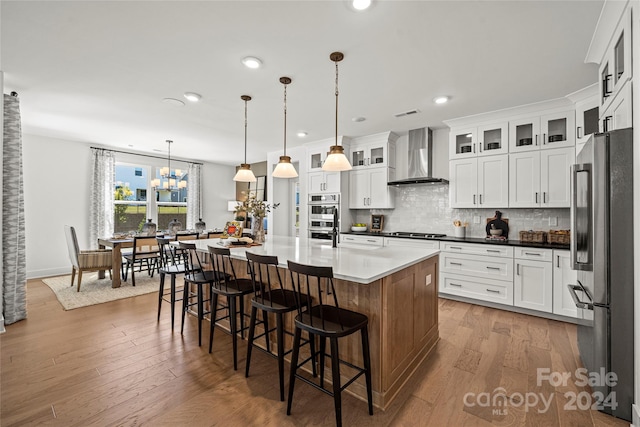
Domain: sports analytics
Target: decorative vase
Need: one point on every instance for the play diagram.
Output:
(174, 226)
(201, 226)
(149, 228)
(257, 229)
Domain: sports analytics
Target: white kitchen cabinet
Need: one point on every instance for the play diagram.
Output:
(479, 182)
(324, 182)
(563, 275)
(478, 271)
(618, 114)
(317, 151)
(368, 188)
(477, 141)
(411, 243)
(548, 130)
(533, 285)
(540, 178)
(373, 151)
(616, 64)
(354, 240)
(586, 102)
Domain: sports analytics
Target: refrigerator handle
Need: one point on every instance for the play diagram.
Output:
(581, 219)
(576, 300)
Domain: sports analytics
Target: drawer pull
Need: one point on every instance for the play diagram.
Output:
(455, 263)
(493, 291)
(372, 241)
(532, 253)
(493, 250)
(455, 284)
(493, 268)
(455, 247)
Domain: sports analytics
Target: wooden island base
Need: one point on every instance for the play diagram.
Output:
(403, 326)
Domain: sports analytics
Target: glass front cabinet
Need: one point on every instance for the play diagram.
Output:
(376, 150)
(484, 140)
(552, 130)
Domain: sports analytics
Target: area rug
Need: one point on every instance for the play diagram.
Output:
(97, 291)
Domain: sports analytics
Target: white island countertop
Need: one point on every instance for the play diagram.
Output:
(360, 265)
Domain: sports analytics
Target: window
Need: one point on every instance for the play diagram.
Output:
(133, 205)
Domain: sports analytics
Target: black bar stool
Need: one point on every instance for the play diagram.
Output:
(270, 296)
(326, 321)
(168, 266)
(228, 285)
(195, 275)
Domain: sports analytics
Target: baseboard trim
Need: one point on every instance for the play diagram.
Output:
(635, 415)
(37, 274)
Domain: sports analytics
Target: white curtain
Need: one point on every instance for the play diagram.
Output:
(102, 187)
(194, 195)
(14, 280)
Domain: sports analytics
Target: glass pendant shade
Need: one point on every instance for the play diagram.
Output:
(245, 174)
(284, 168)
(336, 161)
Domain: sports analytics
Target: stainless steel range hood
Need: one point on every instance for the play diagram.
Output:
(420, 153)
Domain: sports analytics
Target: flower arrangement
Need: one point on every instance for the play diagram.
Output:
(256, 208)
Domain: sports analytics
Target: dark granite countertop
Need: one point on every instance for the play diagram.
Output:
(468, 240)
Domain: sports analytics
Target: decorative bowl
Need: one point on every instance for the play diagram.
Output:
(525, 141)
(354, 228)
(496, 232)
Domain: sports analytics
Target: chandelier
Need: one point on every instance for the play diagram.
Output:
(169, 179)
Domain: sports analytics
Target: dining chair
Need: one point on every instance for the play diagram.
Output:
(170, 267)
(270, 296)
(228, 285)
(87, 260)
(145, 252)
(326, 321)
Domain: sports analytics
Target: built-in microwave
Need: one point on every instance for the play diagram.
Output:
(319, 199)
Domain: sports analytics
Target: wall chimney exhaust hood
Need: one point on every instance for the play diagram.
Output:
(420, 150)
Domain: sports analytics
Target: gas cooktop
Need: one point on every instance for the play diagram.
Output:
(415, 235)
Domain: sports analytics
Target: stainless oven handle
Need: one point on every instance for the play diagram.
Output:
(576, 300)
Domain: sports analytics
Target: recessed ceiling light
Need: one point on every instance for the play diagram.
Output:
(361, 4)
(441, 99)
(252, 62)
(173, 101)
(302, 134)
(192, 96)
(359, 119)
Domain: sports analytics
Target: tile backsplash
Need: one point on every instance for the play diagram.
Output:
(425, 208)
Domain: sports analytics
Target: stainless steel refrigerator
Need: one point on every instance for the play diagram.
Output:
(602, 254)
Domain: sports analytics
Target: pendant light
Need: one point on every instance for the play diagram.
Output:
(284, 168)
(336, 160)
(244, 173)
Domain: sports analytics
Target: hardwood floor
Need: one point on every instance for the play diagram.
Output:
(114, 365)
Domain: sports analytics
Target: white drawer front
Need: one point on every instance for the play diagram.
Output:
(535, 254)
(477, 288)
(477, 266)
(427, 244)
(362, 240)
(477, 249)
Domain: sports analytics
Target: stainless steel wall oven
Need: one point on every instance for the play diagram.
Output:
(321, 215)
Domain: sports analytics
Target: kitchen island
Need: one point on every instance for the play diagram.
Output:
(395, 287)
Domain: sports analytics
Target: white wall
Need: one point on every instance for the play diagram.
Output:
(635, 30)
(57, 180)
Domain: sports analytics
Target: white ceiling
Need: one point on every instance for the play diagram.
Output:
(97, 72)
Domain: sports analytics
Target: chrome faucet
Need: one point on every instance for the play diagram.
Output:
(334, 232)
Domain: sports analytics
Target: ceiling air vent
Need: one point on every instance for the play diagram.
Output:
(406, 113)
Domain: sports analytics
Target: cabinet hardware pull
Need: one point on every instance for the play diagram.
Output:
(578, 131)
(455, 247)
(474, 199)
(474, 147)
(493, 250)
(372, 241)
(493, 291)
(544, 138)
(605, 86)
(455, 284)
(493, 268)
(558, 262)
(532, 253)
(480, 146)
(536, 197)
(480, 198)
(544, 197)
(536, 139)
(455, 263)
(518, 269)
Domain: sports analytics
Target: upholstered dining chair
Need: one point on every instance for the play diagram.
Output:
(88, 260)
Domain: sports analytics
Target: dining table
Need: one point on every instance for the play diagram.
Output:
(116, 245)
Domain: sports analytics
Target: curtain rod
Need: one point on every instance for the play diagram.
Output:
(146, 155)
